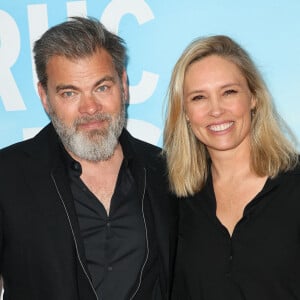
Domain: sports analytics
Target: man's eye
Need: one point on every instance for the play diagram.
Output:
(68, 94)
(102, 88)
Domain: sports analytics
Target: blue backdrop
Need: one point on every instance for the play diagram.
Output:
(156, 32)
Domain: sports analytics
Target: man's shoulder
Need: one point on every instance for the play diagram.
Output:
(16, 148)
(141, 147)
(36, 144)
(147, 147)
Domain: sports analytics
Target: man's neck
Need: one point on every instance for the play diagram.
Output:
(101, 176)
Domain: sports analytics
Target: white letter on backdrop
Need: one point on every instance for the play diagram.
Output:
(38, 24)
(9, 52)
(76, 8)
(117, 8)
(111, 18)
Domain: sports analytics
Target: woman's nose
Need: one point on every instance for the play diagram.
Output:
(216, 108)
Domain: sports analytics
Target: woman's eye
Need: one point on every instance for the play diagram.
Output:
(198, 97)
(230, 92)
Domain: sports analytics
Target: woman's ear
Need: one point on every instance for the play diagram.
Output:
(253, 103)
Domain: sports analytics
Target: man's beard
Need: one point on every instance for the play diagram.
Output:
(94, 145)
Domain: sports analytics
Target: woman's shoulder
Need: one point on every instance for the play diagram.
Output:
(295, 171)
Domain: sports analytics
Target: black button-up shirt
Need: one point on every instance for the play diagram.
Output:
(115, 245)
(260, 261)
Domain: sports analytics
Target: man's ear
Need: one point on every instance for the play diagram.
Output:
(43, 96)
(125, 86)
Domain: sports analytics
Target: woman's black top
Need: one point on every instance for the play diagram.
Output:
(260, 261)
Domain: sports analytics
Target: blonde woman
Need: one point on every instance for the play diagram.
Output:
(237, 175)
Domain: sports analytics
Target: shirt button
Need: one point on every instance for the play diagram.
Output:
(108, 224)
(76, 166)
(109, 268)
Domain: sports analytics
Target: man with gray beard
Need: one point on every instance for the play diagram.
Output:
(85, 211)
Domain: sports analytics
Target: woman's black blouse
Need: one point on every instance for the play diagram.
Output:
(260, 261)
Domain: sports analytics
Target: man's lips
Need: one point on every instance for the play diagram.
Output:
(92, 124)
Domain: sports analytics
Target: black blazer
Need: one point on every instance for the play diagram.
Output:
(41, 252)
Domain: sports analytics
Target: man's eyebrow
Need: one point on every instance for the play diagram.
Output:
(66, 87)
(105, 78)
(75, 88)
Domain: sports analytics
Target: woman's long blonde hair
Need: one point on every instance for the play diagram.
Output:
(187, 158)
